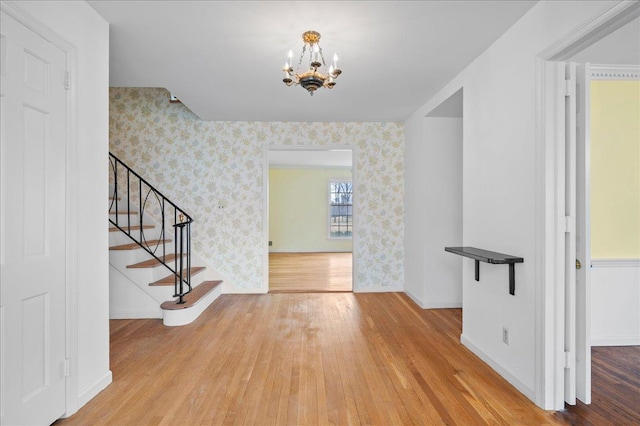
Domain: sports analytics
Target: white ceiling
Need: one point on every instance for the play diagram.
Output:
(223, 59)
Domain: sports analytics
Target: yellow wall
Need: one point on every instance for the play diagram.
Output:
(298, 209)
(615, 169)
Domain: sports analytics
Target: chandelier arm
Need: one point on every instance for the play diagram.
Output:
(321, 56)
(304, 49)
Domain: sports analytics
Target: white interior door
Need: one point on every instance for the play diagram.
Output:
(577, 261)
(570, 239)
(32, 241)
(583, 233)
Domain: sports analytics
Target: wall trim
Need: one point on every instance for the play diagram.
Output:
(524, 389)
(610, 18)
(264, 288)
(291, 167)
(127, 314)
(442, 304)
(415, 299)
(382, 289)
(294, 251)
(549, 302)
(95, 389)
(615, 72)
(617, 341)
(615, 263)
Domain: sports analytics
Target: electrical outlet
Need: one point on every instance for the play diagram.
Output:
(505, 335)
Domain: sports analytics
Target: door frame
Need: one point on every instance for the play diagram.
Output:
(13, 9)
(549, 125)
(265, 202)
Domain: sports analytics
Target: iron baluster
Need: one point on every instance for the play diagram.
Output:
(115, 189)
(128, 203)
(181, 269)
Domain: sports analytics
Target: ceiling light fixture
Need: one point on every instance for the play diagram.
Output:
(316, 77)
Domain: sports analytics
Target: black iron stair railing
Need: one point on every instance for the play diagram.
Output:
(129, 185)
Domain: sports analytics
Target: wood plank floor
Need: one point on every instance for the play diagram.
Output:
(310, 272)
(615, 390)
(294, 359)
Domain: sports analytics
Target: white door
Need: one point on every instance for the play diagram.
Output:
(32, 226)
(583, 233)
(570, 235)
(577, 261)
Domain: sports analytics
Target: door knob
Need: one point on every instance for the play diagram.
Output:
(578, 264)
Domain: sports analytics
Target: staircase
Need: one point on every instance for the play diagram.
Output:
(151, 274)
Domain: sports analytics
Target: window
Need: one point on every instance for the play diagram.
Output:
(340, 209)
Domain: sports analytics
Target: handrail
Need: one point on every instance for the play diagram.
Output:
(181, 268)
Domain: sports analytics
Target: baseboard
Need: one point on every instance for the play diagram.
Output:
(381, 289)
(94, 390)
(442, 304)
(433, 304)
(308, 251)
(524, 389)
(136, 314)
(615, 263)
(415, 298)
(617, 341)
(229, 288)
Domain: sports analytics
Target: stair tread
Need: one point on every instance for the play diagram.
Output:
(193, 297)
(153, 262)
(123, 212)
(133, 246)
(170, 279)
(133, 227)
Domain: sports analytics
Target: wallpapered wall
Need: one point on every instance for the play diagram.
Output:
(202, 165)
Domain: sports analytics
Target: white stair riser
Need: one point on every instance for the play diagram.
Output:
(186, 316)
(149, 275)
(118, 237)
(121, 258)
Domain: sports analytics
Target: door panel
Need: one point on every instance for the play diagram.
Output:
(570, 242)
(32, 234)
(583, 234)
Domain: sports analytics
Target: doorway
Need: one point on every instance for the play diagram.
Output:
(555, 359)
(309, 222)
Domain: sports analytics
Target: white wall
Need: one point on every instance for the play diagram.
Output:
(82, 27)
(499, 184)
(433, 213)
(615, 302)
(299, 210)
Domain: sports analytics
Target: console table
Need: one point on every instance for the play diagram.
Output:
(480, 255)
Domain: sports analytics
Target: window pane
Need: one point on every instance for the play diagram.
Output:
(341, 209)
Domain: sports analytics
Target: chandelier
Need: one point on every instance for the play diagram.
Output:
(316, 77)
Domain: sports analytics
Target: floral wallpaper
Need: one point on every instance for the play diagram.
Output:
(214, 170)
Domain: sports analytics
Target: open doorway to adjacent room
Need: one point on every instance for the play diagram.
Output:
(310, 219)
(609, 265)
(597, 298)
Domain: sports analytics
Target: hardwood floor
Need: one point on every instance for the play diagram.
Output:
(615, 390)
(293, 359)
(310, 272)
